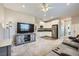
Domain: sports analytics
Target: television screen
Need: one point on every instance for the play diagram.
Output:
(24, 27)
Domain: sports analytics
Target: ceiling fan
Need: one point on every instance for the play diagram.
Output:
(45, 7)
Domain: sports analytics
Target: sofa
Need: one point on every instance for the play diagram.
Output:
(71, 43)
(75, 39)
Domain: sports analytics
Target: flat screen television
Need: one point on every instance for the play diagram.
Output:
(25, 28)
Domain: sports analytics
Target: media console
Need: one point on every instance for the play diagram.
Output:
(24, 38)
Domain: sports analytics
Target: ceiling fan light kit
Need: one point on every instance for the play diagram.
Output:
(44, 7)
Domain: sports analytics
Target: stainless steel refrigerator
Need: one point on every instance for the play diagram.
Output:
(55, 31)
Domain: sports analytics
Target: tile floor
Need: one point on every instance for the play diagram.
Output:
(43, 47)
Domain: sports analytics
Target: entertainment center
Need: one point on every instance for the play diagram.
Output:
(25, 33)
(24, 38)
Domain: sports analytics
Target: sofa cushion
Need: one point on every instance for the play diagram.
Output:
(71, 42)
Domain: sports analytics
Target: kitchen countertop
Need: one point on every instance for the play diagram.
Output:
(5, 42)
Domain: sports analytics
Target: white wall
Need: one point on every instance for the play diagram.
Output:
(10, 18)
(14, 17)
(75, 26)
(1, 22)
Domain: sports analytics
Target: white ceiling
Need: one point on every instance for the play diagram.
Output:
(57, 10)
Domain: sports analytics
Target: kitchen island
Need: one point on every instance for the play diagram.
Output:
(5, 47)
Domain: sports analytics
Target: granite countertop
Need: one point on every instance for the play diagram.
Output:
(44, 29)
(5, 42)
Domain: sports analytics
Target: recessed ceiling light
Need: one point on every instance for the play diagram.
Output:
(68, 4)
(23, 6)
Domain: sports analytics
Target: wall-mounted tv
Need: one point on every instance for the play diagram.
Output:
(25, 28)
